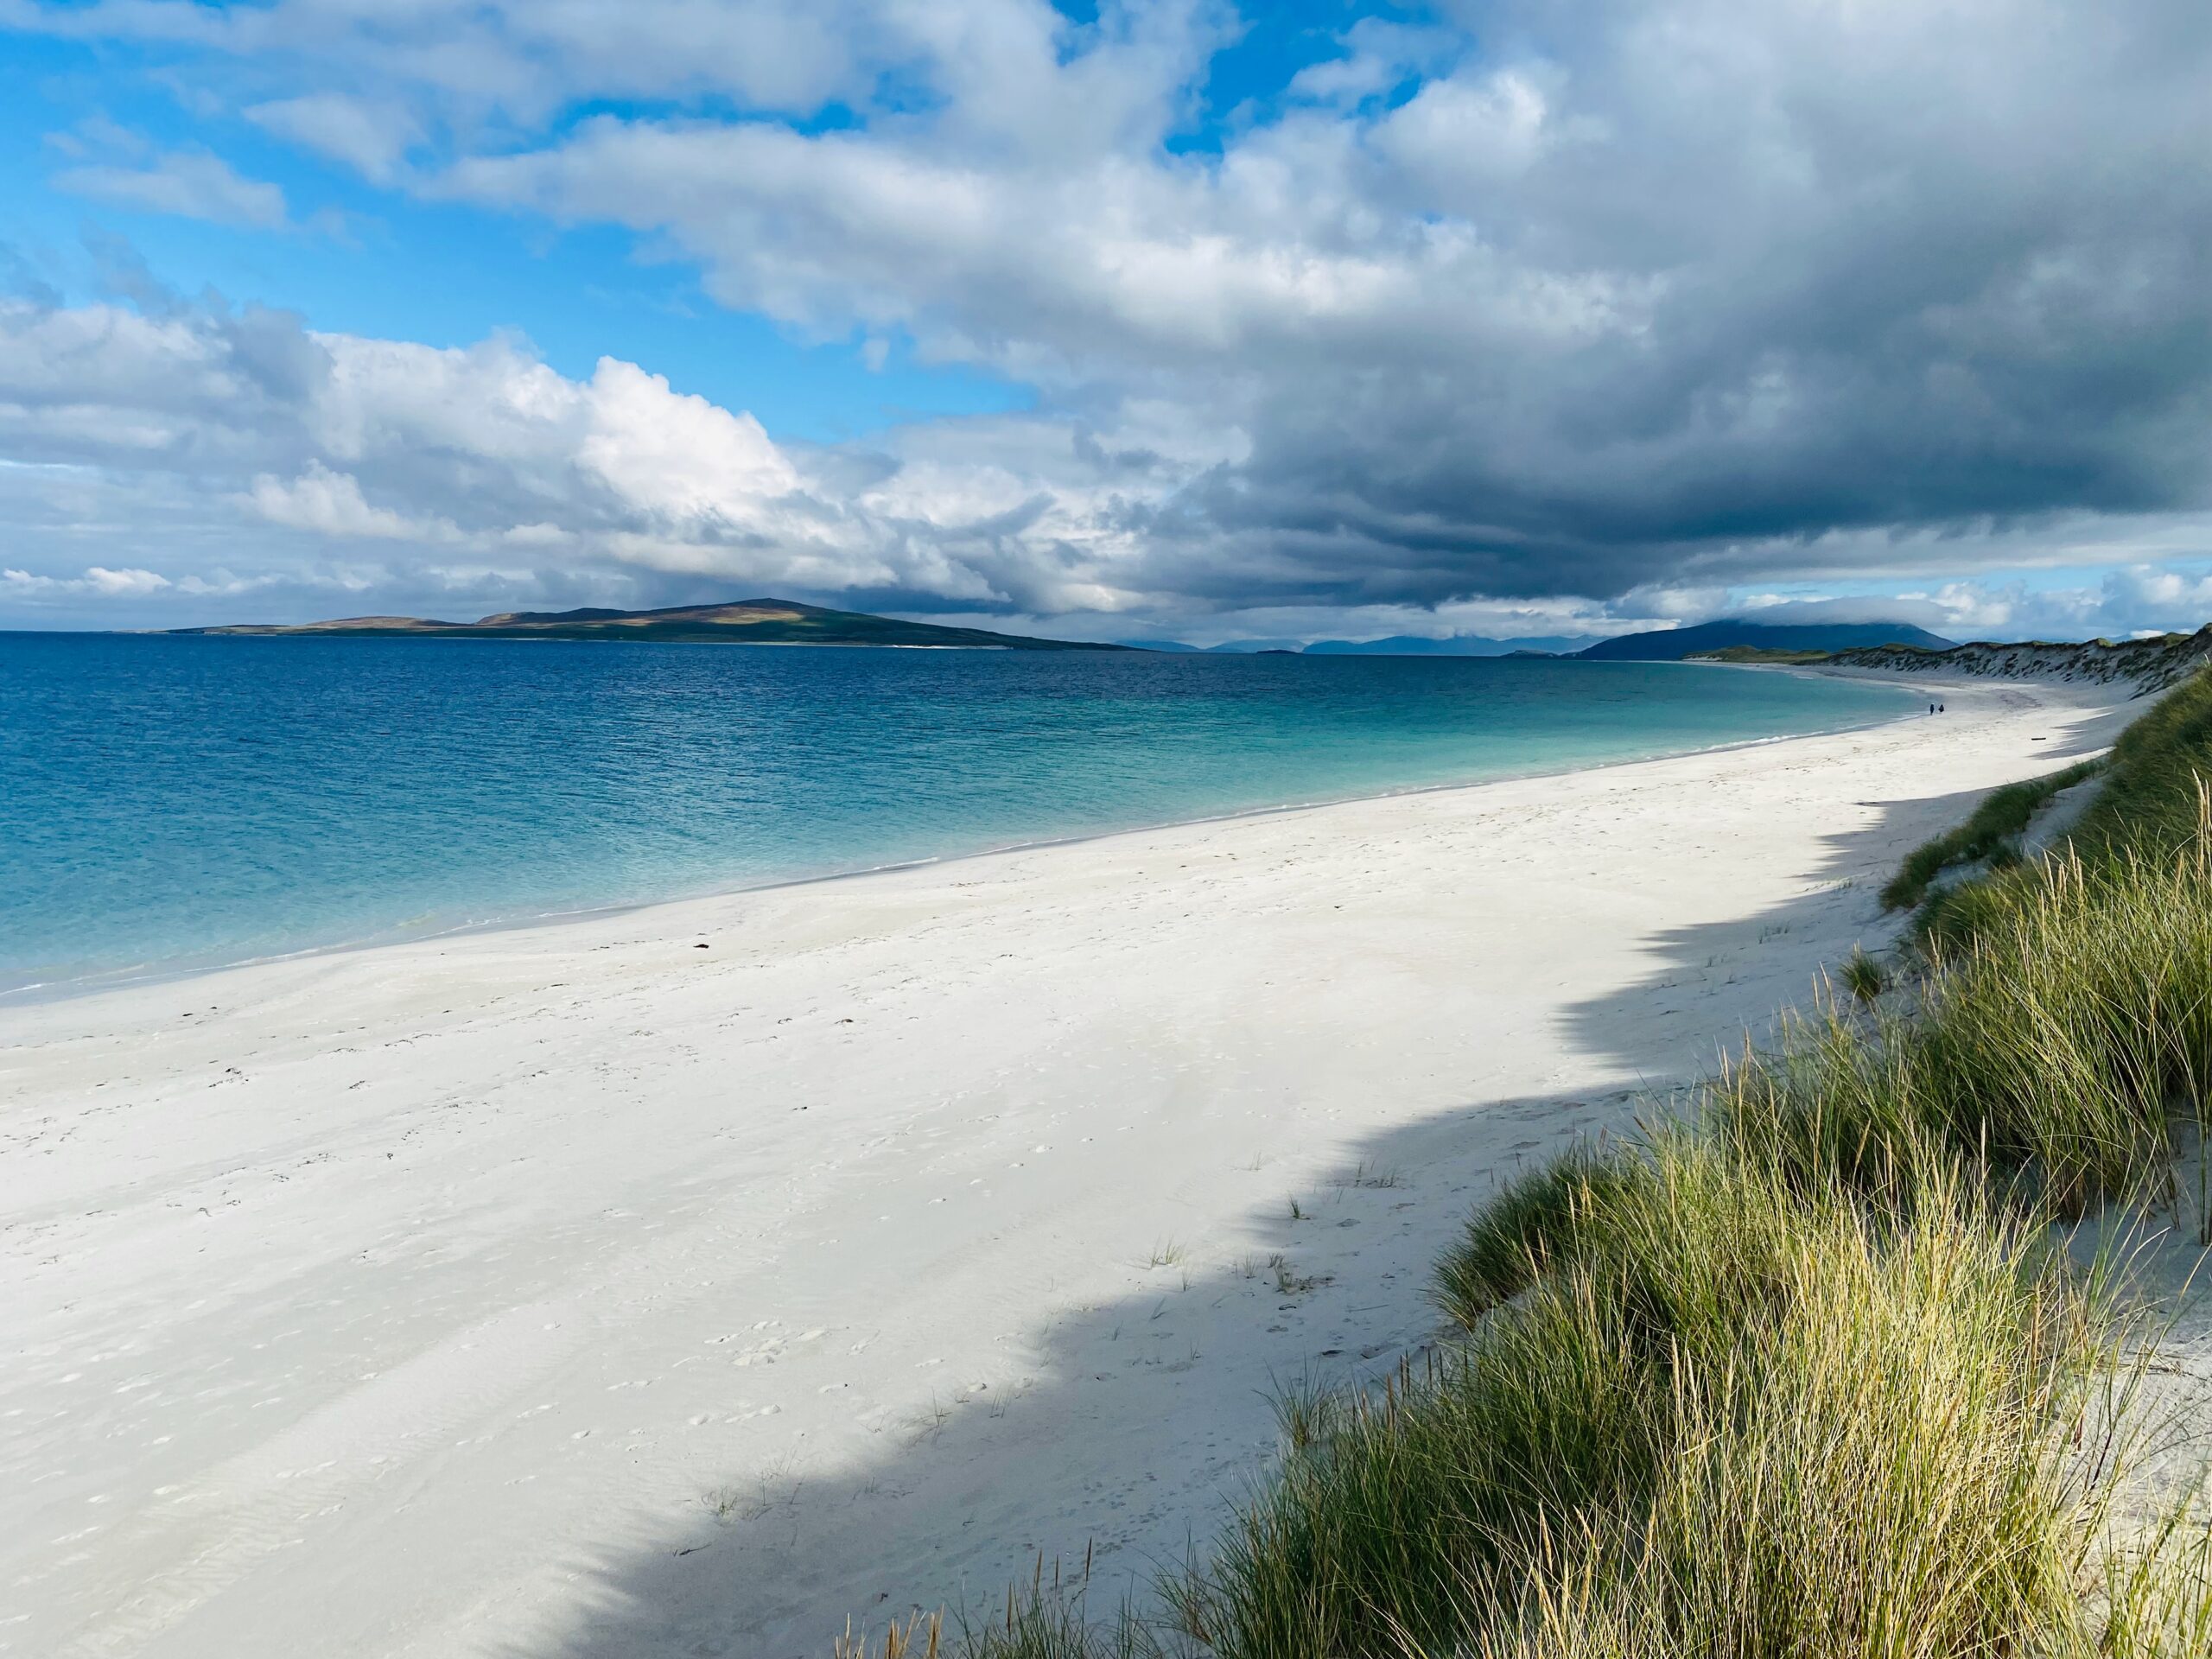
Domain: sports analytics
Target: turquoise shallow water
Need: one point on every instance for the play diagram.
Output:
(169, 803)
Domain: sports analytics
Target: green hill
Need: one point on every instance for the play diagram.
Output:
(744, 622)
(1672, 644)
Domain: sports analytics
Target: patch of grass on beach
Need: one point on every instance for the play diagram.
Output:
(2149, 805)
(2154, 775)
(1730, 1416)
(1863, 977)
(1511, 1238)
(1807, 1372)
(1990, 835)
(1046, 1618)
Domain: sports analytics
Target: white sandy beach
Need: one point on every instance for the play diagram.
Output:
(577, 1291)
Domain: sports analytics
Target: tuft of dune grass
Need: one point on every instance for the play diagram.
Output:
(1863, 976)
(1731, 1416)
(2148, 804)
(1991, 835)
(1511, 1239)
(2062, 1044)
(2150, 797)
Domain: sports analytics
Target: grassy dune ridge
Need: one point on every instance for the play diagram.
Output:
(1991, 835)
(1808, 1368)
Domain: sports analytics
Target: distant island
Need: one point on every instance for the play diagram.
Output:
(744, 622)
(1675, 645)
(1458, 644)
(1704, 640)
(1655, 645)
(1779, 656)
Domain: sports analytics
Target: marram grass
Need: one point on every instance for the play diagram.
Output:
(1805, 1375)
(1728, 1417)
(2149, 802)
(1990, 835)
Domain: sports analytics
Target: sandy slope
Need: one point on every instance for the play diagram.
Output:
(577, 1291)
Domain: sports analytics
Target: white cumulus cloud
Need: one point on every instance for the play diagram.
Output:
(192, 184)
(331, 504)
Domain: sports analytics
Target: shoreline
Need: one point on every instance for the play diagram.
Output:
(619, 1297)
(42, 992)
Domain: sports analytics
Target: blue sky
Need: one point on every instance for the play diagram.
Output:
(373, 261)
(1317, 319)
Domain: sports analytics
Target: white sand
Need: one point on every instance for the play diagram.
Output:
(572, 1290)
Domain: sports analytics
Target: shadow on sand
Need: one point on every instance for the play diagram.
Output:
(1144, 1419)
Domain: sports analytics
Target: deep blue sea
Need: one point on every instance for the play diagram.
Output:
(173, 802)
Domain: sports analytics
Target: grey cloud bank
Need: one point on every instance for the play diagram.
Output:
(1621, 312)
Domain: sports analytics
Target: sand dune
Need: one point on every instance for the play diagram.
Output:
(577, 1291)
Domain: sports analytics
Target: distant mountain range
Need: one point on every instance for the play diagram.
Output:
(747, 622)
(1397, 644)
(1658, 646)
(787, 622)
(1672, 644)
(1457, 644)
(1227, 648)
